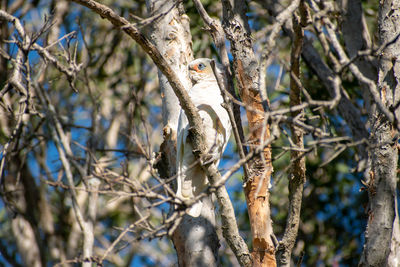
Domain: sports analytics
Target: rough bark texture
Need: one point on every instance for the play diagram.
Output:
(195, 239)
(256, 185)
(297, 175)
(381, 231)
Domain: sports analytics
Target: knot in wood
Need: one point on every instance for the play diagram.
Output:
(196, 153)
(258, 166)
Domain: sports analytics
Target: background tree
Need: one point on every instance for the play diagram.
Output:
(88, 132)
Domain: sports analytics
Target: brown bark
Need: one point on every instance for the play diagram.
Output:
(260, 168)
(256, 186)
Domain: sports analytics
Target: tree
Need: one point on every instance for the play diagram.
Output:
(383, 225)
(88, 133)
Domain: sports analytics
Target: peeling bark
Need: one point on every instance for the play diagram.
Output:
(171, 35)
(246, 70)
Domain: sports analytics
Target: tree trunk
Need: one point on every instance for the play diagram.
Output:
(381, 236)
(195, 239)
(260, 168)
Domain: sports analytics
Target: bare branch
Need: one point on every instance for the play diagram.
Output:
(297, 175)
(198, 143)
(285, 15)
(246, 70)
(218, 36)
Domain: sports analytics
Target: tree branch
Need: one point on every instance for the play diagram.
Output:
(297, 175)
(198, 141)
(329, 79)
(237, 30)
(233, 109)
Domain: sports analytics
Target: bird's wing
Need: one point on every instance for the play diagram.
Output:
(207, 97)
(191, 178)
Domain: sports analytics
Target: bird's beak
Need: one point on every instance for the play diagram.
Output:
(195, 68)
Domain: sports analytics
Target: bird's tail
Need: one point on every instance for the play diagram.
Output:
(187, 188)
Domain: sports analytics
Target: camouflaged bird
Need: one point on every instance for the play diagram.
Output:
(206, 96)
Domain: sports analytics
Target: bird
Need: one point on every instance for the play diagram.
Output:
(206, 96)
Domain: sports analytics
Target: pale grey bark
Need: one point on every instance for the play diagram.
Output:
(197, 131)
(238, 32)
(171, 35)
(26, 242)
(394, 255)
(60, 10)
(381, 246)
(88, 242)
(195, 239)
(62, 141)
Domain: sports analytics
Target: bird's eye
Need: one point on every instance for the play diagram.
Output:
(201, 66)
